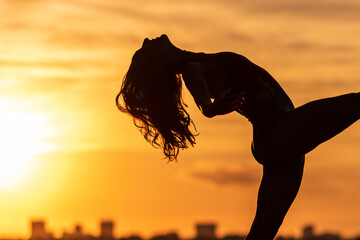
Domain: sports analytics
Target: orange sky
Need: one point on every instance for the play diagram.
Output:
(67, 155)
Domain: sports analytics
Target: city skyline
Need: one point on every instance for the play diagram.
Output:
(67, 153)
(202, 231)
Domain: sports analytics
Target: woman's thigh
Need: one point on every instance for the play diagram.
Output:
(301, 130)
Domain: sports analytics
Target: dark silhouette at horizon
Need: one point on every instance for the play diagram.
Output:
(221, 83)
(203, 231)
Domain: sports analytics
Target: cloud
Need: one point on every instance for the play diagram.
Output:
(182, 22)
(224, 176)
(118, 8)
(39, 76)
(148, 13)
(337, 180)
(318, 88)
(321, 85)
(327, 10)
(309, 46)
(237, 36)
(83, 38)
(50, 64)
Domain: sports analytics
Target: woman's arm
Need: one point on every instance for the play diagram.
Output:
(196, 83)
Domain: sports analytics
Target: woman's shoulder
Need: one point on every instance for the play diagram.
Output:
(202, 57)
(226, 59)
(202, 62)
(221, 55)
(213, 63)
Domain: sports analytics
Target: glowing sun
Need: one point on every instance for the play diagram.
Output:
(12, 171)
(22, 135)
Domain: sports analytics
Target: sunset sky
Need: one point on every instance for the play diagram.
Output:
(67, 155)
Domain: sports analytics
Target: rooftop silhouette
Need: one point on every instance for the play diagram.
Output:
(204, 231)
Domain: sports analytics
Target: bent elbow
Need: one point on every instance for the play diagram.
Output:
(207, 112)
(207, 115)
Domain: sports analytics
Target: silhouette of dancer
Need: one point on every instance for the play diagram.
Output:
(221, 83)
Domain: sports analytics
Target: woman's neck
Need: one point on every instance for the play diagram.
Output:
(186, 57)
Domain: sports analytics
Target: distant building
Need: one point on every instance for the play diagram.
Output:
(107, 230)
(132, 237)
(76, 235)
(38, 231)
(169, 236)
(206, 231)
(236, 237)
(329, 236)
(308, 232)
(78, 230)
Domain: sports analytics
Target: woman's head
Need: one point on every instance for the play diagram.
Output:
(151, 93)
(159, 54)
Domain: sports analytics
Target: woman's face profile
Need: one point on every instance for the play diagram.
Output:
(160, 46)
(156, 52)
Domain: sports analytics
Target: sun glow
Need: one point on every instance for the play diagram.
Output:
(23, 134)
(12, 171)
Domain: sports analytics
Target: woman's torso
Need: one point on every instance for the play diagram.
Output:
(265, 100)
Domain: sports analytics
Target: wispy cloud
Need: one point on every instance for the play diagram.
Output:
(223, 176)
(327, 10)
(91, 39)
(308, 46)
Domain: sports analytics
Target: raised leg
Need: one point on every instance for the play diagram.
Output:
(304, 128)
(282, 152)
(278, 189)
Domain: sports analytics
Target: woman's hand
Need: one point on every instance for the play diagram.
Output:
(224, 103)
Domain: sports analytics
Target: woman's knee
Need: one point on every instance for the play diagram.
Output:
(355, 102)
(357, 98)
(352, 98)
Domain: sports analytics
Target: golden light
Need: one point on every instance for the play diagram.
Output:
(23, 135)
(11, 171)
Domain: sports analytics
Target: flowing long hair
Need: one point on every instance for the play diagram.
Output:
(152, 95)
